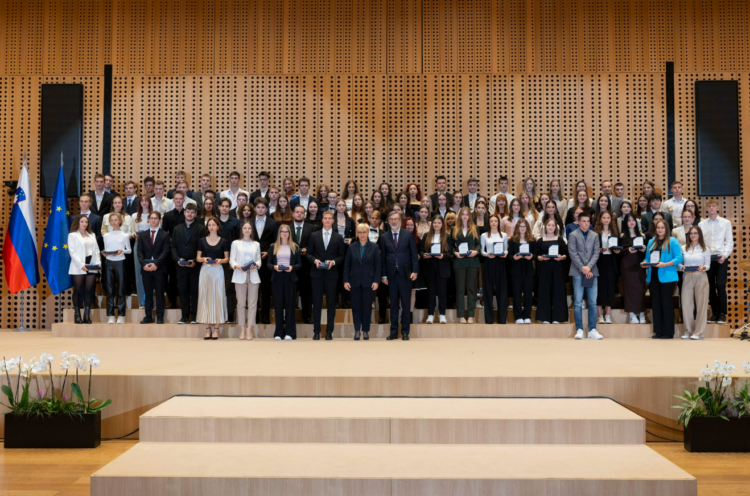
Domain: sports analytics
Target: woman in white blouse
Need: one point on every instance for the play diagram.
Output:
(128, 228)
(246, 282)
(116, 246)
(83, 251)
(694, 294)
(493, 271)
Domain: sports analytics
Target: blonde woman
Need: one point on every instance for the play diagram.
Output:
(284, 261)
(116, 246)
(245, 259)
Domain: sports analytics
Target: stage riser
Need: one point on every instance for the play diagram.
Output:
(377, 331)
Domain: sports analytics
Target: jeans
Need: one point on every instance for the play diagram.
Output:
(578, 302)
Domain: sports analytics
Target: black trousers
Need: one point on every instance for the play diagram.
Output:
(154, 281)
(304, 287)
(437, 287)
(361, 298)
(399, 290)
(522, 305)
(116, 281)
(169, 265)
(661, 304)
(382, 293)
(345, 295)
(284, 303)
(83, 289)
(717, 286)
(265, 293)
(328, 287)
(187, 283)
(495, 285)
(231, 293)
(130, 286)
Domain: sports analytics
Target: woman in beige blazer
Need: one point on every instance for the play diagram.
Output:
(246, 282)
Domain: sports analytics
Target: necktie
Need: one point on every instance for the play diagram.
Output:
(395, 242)
(152, 237)
(326, 240)
(129, 200)
(299, 230)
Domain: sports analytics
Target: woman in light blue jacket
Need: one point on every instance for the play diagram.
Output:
(662, 280)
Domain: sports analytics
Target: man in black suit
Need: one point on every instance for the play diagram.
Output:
(153, 244)
(303, 197)
(472, 196)
(109, 183)
(441, 186)
(301, 232)
(169, 222)
(101, 201)
(184, 245)
(241, 200)
(262, 191)
(655, 204)
(179, 177)
(130, 202)
(264, 232)
(230, 230)
(400, 260)
(325, 245)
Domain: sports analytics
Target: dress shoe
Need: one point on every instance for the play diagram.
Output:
(405, 337)
(383, 321)
(713, 318)
(366, 336)
(329, 336)
(316, 336)
(147, 320)
(356, 335)
(722, 319)
(391, 337)
(159, 321)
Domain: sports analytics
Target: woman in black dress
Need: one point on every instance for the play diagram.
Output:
(607, 265)
(522, 271)
(633, 275)
(552, 300)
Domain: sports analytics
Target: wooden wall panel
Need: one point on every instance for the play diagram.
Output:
(396, 90)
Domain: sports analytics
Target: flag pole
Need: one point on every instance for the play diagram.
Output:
(21, 327)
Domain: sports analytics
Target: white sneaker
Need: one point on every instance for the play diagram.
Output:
(634, 318)
(555, 322)
(527, 321)
(431, 319)
(277, 338)
(519, 321)
(120, 320)
(579, 334)
(600, 320)
(287, 338)
(443, 320)
(642, 317)
(593, 334)
(696, 338)
(545, 322)
(686, 336)
(111, 320)
(607, 319)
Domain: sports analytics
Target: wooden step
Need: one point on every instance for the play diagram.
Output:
(180, 469)
(305, 331)
(392, 420)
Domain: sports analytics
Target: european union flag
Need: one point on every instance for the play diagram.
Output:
(55, 256)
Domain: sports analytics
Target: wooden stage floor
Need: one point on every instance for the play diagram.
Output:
(140, 373)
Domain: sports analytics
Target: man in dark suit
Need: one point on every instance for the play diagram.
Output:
(169, 222)
(262, 191)
(325, 246)
(301, 232)
(130, 202)
(109, 183)
(400, 259)
(101, 201)
(95, 221)
(241, 201)
(655, 204)
(303, 197)
(441, 186)
(472, 196)
(184, 247)
(200, 194)
(153, 244)
(264, 232)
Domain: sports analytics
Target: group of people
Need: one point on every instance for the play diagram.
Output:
(226, 254)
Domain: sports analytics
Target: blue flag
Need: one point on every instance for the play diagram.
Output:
(55, 256)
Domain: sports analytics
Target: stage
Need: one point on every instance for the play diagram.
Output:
(140, 373)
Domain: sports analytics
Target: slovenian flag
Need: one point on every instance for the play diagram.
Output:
(19, 249)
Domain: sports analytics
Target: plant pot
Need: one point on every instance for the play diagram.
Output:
(56, 431)
(716, 435)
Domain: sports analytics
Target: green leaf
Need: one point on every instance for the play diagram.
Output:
(100, 407)
(9, 393)
(77, 391)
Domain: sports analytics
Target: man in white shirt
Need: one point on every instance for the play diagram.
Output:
(674, 205)
(161, 203)
(234, 188)
(502, 186)
(717, 234)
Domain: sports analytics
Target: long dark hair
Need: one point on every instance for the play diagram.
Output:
(625, 234)
(74, 224)
(701, 242)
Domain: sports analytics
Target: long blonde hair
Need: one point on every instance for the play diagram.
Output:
(292, 245)
(459, 227)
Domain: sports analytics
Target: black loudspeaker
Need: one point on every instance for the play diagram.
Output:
(717, 128)
(62, 132)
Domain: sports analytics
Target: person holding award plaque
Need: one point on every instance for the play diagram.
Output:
(435, 251)
(465, 263)
(494, 244)
(521, 250)
(284, 260)
(213, 252)
(606, 229)
(696, 260)
(84, 260)
(245, 260)
(663, 255)
(551, 250)
(633, 276)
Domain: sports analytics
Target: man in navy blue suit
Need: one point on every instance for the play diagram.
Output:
(400, 267)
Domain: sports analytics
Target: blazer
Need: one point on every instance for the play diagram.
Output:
(257, 194)
(474, 244)
(269, 233)
(407, 255)
(443, 264)
(236, 257)
(295, 260)
(295, 201)
(583, 252)
(348, 229)
(184, 246)
(96, 226)
(466, 199)
(78, 254)
(133, 208)
(434, 198)
(666, 274)
(316, 251)
(646, 220)
(105, 206)
(159, 251)
(359, 271)
(172, 219)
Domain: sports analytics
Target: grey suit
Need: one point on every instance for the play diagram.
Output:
(583, 251)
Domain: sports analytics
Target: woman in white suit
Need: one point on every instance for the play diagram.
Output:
(246, 282)
(83, 251)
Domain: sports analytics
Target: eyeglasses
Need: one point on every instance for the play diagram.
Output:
(694, 234)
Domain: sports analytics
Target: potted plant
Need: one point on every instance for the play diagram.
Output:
(717, 416)
(52, 418)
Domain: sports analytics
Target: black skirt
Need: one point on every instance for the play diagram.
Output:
(607, 265)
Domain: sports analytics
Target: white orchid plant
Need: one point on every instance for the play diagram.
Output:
(54, 400)
(717, 398)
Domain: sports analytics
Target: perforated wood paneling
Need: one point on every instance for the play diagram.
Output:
(396, 90)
